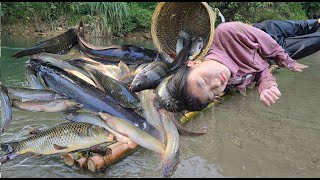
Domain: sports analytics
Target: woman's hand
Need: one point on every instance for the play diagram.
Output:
(269, 96)
(298, 67)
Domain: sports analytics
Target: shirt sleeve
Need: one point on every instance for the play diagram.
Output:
(265, 80)
(269, 48)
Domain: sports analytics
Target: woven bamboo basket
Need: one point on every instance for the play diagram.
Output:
(196, 18)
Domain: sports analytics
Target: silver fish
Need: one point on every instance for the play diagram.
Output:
(170, 158)
(149, 110)
(132, 132)
(195, 48)
(25, 94)
(32, 79)
(45, 106)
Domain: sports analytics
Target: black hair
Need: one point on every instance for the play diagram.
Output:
(177, 88)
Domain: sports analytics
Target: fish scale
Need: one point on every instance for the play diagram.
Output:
(83, 135)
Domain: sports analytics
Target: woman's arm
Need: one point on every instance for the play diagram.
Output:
(268, 87)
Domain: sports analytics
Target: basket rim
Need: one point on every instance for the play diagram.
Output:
(212, 18)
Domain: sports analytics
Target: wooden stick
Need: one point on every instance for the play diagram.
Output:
(118, 150)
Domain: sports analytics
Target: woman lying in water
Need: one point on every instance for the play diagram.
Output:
(237, 59)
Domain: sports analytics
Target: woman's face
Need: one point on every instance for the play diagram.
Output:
(207, 79)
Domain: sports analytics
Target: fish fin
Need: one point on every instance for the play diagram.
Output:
(82, 135)
(57, 147)
(34, 131)
(124, 69)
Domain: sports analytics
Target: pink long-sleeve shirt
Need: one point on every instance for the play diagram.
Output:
(245, 49)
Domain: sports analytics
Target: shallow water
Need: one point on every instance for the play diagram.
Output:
(244, 139)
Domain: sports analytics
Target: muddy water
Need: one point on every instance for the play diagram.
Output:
(244, 139)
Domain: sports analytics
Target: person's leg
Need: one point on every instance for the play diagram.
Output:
(313, 26)
(301, 46)
(288, 28)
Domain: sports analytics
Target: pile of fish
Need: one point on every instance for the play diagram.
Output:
(115, 89)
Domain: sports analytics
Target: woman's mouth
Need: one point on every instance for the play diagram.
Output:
(223, 79)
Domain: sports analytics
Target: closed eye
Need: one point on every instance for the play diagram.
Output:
(205, 80)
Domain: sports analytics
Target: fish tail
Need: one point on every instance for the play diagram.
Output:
(8, 147)
(9, 150)
(4, 89)
(27, 52)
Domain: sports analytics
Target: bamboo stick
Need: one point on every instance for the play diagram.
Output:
(82, 162)
(118, 150)
(71, 158)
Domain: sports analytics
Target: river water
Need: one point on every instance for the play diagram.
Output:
(244, 138)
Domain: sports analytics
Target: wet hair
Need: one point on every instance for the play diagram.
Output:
(177, 88)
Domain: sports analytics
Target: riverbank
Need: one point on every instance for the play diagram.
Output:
(32, 29)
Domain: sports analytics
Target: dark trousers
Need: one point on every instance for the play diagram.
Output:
(298, 38)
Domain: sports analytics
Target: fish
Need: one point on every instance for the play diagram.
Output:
(128, 78)
(66, 137)
(163, 97)
(6, 111)
(107, 70)
(182, 56)
(170, 158)
(32, 78)
(124, 69)
(181, 40)
(150, 76)
(26, 94)
(96, 120)
(64, 65)
(195, 48)
(149, 110)
(57, 45)
(132, 132)
(116, 89)
(129, 54)
(155, 72)
(89, 96)
(45, 106)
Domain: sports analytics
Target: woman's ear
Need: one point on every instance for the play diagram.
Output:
(192, 63)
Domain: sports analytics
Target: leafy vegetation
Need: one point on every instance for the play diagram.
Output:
(119, 18)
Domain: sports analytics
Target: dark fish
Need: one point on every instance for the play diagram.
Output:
(153, 74)
(89, 96)
(150, 76)
(116, 89)
(32, 78)
(129, 54)
(57, 45)
(6, 111)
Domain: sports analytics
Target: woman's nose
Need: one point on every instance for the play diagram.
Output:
(217, 83)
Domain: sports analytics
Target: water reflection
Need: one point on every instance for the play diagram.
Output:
(244, 139)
